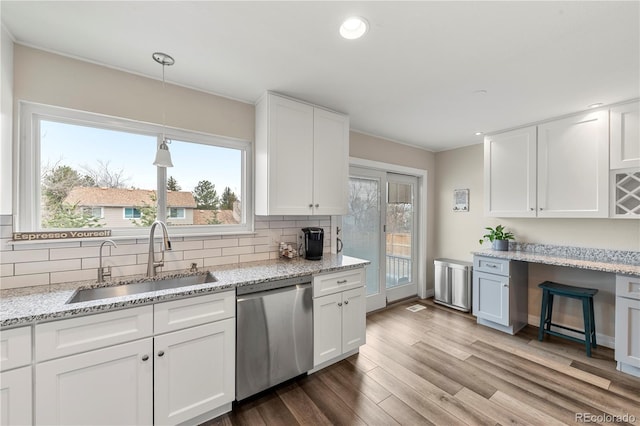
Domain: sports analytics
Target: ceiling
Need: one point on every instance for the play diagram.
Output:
(416, 77)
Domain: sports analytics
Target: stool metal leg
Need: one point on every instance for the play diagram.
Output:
(586, 313)
(593, 323)
(543, 314)
(549, 311)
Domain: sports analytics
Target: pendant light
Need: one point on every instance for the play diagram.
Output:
(163, 156)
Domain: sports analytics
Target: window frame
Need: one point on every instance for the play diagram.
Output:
(28, 161)
(133, 213)
(178, 209)
(99, 216)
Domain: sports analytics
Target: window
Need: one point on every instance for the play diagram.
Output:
(176, 213)
(96, 212)
(85, 167)
(132, 213)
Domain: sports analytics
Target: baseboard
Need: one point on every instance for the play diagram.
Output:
(629, 369)
(603, 340)
(429, 293)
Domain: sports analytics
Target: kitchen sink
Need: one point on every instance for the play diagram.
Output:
(97, 293)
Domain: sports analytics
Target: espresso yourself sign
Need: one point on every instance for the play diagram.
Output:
(60, 235)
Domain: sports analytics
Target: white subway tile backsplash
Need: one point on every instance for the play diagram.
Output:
(6, 270)
(29, 264)
(6, 231)
(24, 281)
(24, 256)
(195, 254)
(222, 260)
(254, 257)
(50, 266)
(6, 219)
(221, 243)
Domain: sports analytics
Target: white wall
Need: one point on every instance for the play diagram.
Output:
(6, 114)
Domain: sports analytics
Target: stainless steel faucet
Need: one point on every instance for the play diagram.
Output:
(104, 272)
(166, 245)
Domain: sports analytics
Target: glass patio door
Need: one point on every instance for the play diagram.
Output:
(400, 237)
(381, 227)
(362, 229)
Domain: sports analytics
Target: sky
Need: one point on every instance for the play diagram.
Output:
(80, 146)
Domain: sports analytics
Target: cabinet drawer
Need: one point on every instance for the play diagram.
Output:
(15, 348)
(71, 336)
(628, 286)
(179, 314)
(337, 281)
(491, 265)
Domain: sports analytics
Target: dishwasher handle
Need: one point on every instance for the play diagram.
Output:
(259, 294)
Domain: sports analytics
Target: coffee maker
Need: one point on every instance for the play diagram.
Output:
(313, 243)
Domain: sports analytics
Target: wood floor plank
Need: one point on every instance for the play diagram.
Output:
(331, 405)
(532, 415)
(349, 375)
(365, 408)
(361, 362)
(275, 413)
(402, 413)
(500, 414)
(302, 407)
(414, 399)
(621, 383)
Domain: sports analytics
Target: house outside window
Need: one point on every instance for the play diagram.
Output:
(96, 171)
(132, 213)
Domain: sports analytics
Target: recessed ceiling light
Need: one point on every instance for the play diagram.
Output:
(479, 133)
(596, 105)
(353, 28)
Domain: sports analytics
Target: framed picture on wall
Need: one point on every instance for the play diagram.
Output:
(460, 200)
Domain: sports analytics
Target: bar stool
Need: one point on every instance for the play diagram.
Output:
(550, 289)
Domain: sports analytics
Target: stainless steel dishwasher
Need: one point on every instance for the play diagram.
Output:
(274, 333)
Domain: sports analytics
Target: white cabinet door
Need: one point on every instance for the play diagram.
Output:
(573, 166)
(327, 328)
(354, 319)
(510, 173)
(491, 297)
(284, 157)
(194, 371)
(15, 397)
(625, 136)
(330, 162)
(627, 349)
(110, 386)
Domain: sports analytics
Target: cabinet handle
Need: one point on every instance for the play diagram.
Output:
(341, 281)
(346, 302)
(317, 205)
(531, 208)
(339, 303)
(491, 265)
(310, 206)
(505, 285)
(145, 357)
(160, 353)
(540, 209)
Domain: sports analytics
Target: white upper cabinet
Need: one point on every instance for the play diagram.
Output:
(573, 166)
(625, 136)
(557, 169)
(510, 173)
(302, 155)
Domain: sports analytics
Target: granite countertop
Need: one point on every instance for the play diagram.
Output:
(43, 303)
(614, 261)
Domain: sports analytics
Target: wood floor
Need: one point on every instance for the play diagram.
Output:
(437, 366)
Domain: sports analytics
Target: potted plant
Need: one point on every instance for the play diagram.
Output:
(499, 238)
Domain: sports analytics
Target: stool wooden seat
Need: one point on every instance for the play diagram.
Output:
(551, 289)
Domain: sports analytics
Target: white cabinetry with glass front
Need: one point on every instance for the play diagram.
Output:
(560, 172)
(15, 377)
(339, 315)
(302, 154)
(167, 363)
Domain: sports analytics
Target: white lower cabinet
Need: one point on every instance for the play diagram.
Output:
(15, 397)
(120, 373)
(16, 403)
(500, 296)
(109, 386)
(194, 371)
(627, 348)
(339, 319)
